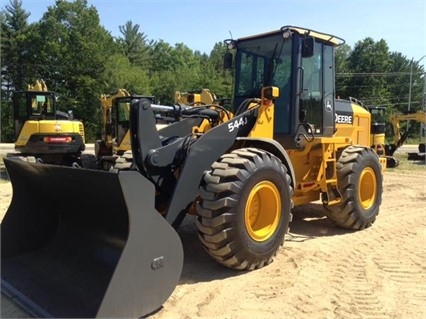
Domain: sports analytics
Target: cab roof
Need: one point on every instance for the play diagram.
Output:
(302, 31)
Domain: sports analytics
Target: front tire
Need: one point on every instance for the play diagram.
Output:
(244, 208)
(360, 183)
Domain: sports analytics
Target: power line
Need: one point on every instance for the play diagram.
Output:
(389, 104)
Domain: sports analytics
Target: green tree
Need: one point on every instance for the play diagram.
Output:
(72, 51)
(417, 85)
(399, 88)
(134, 44)
(173, 68)
(368, 62)
(343, 53)
(121, 74)
(162, 57)
(164, 86)
(14, 42)
(221, 80)
(398, 82)
(16, 64)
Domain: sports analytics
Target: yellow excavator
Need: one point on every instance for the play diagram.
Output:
(401, 135)
(379, 119)
(44, 134)
(115, 134)
(286, 142)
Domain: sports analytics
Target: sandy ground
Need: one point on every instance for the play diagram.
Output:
(321, 272)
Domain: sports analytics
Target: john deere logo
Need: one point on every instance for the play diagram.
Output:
(343, 119)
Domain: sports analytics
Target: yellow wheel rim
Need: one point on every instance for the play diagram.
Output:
(367, 188)
(263, 211)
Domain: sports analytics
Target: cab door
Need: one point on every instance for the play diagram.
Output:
(316, 99)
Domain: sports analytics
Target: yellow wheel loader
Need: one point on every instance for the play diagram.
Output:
(45, 134)
(287, 142)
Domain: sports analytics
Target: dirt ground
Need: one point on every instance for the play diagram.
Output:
(321, 272)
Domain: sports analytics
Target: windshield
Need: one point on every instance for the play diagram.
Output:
(378, 115)
(34, 104)
(123, 107)
(263, 62)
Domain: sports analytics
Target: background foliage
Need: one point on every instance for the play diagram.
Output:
(80, 60)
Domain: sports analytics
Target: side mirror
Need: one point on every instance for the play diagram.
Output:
(227, 61)
(308, 47)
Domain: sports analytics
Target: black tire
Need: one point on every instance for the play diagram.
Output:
(391, 162)
(230, 219)
(89, 161)
(360, 183)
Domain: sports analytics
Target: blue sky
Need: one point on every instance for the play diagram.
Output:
(200, 24)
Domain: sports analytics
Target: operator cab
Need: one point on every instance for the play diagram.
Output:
(32, 105)
(118, 122)
(300, 63)
(378, 119)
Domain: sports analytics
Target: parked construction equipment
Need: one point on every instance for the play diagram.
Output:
(287, 142)
(378, 134)
(400, 135)
(195, 98)
(45, 134)
(115, 134)
(114, 149)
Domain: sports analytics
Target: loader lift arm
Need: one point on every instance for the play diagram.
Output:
(156, 161)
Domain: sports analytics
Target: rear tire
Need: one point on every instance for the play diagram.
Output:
(245, 206)
(360, 183)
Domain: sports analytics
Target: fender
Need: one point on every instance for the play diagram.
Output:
(272, 147)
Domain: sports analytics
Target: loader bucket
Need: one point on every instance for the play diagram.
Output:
(79, 243)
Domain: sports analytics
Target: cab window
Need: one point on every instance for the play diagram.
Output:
(311, 97)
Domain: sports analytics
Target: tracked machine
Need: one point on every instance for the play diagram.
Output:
(400, 135)
(287, 142)
(45, 134)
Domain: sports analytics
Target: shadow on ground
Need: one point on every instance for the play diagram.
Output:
(308, 222)
(198, 265)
